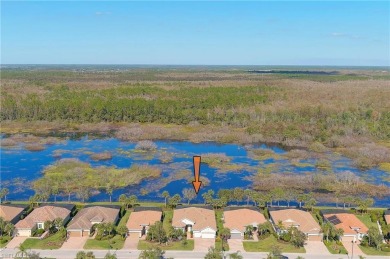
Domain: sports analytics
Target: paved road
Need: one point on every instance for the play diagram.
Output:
(130, 254)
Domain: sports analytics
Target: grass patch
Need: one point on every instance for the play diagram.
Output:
(266, 244)
(372, 251)
(116, 242)
(218, 245)
(167, 223)
(52, 242)
(365, 218)
(335, 247)
(385, 167)
(124, 219)
(4, 241)
(143, 245)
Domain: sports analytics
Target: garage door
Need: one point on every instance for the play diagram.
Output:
(85, 233)
(208, 235)
(235, 236)
(74, 233)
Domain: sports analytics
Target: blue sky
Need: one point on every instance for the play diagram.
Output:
(207, 33)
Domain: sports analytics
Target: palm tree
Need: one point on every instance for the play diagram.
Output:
(9, 228)
(327, 228)
(235, 255)
(249, 230)
(22, 251)
(166, 195)
(339, 232)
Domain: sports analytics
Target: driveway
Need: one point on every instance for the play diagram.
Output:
(15, 242)
(316, 247)
(347, 243)
(74, 243)
(203, 244)
(131, 241)
(235, 245)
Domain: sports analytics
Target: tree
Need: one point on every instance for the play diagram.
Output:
(238, 194)
(157, 233)
(109, 190)
(152, 253)
(213, 253)
(3, 194)
(110, 256)
(225, 234)
(235, 255)
(9, 228)
(276, 251)
(248, 193)
(189, 194)
(166, 195)
(208, 197)
(375, 238)
(34, 200)
(277, 194)
(264, 228)
(33, 255)
(249, 231)
(301, 198)
(132, 200)
(364, 204)
(122, 231)
(310, 204)
(174, 200)
(123, 200)
(338, 233)
(327, 228)
(298, 238)
(22, 251)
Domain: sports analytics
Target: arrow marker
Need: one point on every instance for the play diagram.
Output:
(196, 183)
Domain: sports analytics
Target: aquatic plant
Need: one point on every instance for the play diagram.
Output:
(146, 145)
(101, 156)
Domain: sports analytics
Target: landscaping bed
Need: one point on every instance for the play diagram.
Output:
(266, 244)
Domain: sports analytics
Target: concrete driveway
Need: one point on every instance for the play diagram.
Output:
(203, 244)
(316, 247)
(131, 241)
(74, 243)
(15, 242)
(235, 245)
(347, 243)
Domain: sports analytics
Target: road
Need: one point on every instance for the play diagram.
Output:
(130, 254)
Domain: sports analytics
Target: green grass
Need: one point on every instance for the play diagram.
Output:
(4, 241)
(372, 251)
(52, 242)
(125, 218)
(143, 245)
(218, 218)
(266, 244)
(167, 223)
(117, 242)
(335, 248)
(365, 218)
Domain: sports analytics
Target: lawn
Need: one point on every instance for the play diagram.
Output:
(265, 245)
(335, 248)
(143, 245)
(117, 242)
(167, 223)
(218, 217)
(365, 218)
(4, 241)
(52, 242)
(218, 245)
(372, 251)
(125, 218)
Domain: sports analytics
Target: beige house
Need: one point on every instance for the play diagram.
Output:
(300, 219)
(237, 219)
(387, 217)
(82, 223)
(37, 218)
(199, 220)
(141, 219)
(11, 213)
(348, 222)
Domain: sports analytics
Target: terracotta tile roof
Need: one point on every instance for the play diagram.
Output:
(240, 218)
(8, 213)
(348, 222)
(85, 217)
(138, 219)
(303, 220)
(43, 214)
(387, 218)
(202, 217)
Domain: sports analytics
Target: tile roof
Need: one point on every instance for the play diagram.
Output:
(303, 220)
(43, 214)
(348, 222)
(202, 217)
(240, 218)
(138, 219)
(387, 218)
(8, 213)
(85, 217)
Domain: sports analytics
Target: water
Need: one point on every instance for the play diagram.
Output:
(28, 165)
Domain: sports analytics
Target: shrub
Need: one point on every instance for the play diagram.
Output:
(146, 145)
(101, 156)
(34, 147)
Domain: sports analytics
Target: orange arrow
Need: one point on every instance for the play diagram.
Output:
(196, 183)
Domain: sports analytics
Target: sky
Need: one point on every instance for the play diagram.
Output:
(353, 33)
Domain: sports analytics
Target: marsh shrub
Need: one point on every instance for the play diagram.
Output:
(146, 145)
(34, 147)
(125, 133)
(101, 156)
(7, 142)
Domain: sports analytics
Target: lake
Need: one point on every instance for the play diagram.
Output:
(177, 170)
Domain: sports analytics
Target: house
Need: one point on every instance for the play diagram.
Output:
(348, 222)
(199, 220)
(237, 219)
(37, 218)
(297, 218)
(11, 213)
(387, 217)
(82, 223)
(141, 219)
